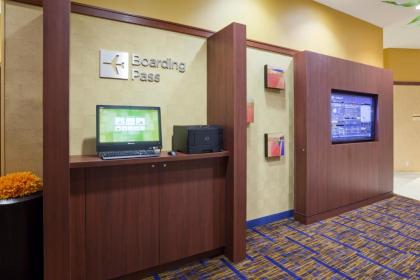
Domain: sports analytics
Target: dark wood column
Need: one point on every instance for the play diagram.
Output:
(56, 139)
(226, 106)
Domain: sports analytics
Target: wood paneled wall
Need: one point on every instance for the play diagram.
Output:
(329, 178)
(226, 106)
(56, 139)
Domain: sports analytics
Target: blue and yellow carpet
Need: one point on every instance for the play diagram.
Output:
(380, 241)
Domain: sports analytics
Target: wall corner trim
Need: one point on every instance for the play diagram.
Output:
(406, 83)
(269, 219)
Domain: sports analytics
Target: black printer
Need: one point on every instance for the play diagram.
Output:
(195, 139)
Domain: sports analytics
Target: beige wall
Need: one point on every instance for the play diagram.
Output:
(298, 24)
(404, 63)
(406, 128)
(1, 29)
(181, 96)
(269, 182)
(22, 111)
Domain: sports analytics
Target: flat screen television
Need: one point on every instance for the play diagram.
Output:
(125, 128)
(353, 117)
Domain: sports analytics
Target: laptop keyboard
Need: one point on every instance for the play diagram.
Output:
(128, 154)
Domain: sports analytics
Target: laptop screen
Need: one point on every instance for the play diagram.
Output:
(127, 128)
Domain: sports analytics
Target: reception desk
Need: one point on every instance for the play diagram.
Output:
(129, 216)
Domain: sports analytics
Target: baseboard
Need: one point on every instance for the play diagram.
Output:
(269, 219)
(335, 212)
(154, 271)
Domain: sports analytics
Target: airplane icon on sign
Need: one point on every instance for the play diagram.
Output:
(114, 63)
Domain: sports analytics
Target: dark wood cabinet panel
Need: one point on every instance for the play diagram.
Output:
(122, 216)
(330, 179)
(77, 224)
(192, 208)
(142, 215)
(353, 175)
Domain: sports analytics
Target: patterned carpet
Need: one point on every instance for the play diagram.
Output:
(380, 241)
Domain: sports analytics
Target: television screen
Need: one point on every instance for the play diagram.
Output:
(353, 117)
(128, 125)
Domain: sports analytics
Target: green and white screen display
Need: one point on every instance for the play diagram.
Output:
(118, 125)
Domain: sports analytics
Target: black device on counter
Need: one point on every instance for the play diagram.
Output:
(195, 139)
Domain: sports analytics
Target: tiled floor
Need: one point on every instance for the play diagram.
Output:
(407, 184)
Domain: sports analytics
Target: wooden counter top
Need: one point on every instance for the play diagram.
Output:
(95, 161)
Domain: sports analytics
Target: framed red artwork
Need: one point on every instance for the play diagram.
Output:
(274, 78)
(274, 145)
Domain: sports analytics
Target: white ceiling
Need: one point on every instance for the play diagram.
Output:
(393, 19)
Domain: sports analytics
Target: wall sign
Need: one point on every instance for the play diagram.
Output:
(116, 65)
